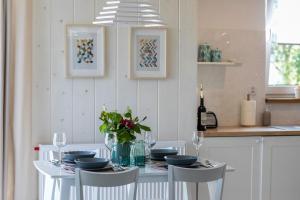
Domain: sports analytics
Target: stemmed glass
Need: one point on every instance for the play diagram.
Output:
(59, 141)
(198, 139)
(109, 142)
(150, 142)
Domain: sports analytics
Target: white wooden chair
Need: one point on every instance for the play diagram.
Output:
(146, 190)
(214, 176)
(106, 179)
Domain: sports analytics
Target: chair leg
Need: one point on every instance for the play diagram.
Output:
(65, 188)
(49, 188)
(132, 191)
(171, 184)
(197, 191)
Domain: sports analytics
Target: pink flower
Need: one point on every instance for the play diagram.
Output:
(127, 123)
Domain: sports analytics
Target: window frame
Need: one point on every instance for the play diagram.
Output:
(281, 90)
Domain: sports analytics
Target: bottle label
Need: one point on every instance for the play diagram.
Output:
(203, 118)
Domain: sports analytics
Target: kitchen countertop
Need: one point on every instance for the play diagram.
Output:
(292, 130)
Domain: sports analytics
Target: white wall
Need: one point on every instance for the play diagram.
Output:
(243, 21)
(73, 105)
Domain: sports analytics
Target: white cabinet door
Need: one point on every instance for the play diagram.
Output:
(243, 154)
(281, 168)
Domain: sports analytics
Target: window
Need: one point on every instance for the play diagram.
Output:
(284, 45)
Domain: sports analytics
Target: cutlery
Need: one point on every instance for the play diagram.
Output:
(118, 169)
(55, 162)
(207, 162)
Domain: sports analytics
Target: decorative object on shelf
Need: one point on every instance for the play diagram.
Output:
(204, 54)
(148, 53)
(138, 153)
(216, 55)
(129, 13)
(84, 51)
(297, 91)
(121, 130)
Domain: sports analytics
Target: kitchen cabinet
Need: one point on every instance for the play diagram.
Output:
(281, 168)
(266, 168)
(243, 154)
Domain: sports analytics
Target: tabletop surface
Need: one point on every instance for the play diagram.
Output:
(48, 169)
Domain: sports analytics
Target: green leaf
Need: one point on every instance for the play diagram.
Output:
(145, 128)
(136, 119)
(103, 128)
(137, 129)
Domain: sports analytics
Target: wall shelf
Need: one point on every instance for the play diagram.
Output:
(223, 63)
(282, 100)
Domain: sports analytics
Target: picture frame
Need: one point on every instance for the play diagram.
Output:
(148, 55)
(84, 51)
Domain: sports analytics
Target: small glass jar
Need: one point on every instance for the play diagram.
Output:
(138, 153)
(204, 54)
(216, 55)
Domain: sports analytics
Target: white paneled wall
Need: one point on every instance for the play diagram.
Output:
(74, 105)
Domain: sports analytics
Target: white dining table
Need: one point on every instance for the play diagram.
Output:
(59, 181)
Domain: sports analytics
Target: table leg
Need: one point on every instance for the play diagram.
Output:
(65, 188)
(49, 188)
(215, 189)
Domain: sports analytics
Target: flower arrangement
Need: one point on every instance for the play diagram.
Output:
(125, 126)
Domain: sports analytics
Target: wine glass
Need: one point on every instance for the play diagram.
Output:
(150, 142)
(198, 139)
(59, 141)
(109, 142)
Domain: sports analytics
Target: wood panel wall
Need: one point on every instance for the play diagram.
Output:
(73, 105)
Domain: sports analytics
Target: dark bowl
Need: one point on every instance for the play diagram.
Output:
(180, 160)
(91, 163)
(159, 154)
(73, 155)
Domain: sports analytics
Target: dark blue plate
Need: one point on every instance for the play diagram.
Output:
(159, 154)
(181, 160)
(68, 161)
(73, 155)
(91, 163)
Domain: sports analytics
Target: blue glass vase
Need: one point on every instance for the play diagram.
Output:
(121, 153)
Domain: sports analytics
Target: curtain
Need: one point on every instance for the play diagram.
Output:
(6, 139)
(17, 173)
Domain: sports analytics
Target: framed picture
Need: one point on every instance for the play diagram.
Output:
(148, 53)
(84, 51)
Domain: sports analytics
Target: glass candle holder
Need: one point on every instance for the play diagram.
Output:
(138, 153)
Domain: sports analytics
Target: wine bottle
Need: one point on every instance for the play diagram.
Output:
(201, 124)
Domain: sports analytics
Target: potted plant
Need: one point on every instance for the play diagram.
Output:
(121, 129)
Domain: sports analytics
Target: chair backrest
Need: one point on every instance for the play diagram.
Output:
(106, 179)
(196, 175)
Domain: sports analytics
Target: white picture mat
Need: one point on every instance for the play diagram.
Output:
(162, 33)
(72, 30)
